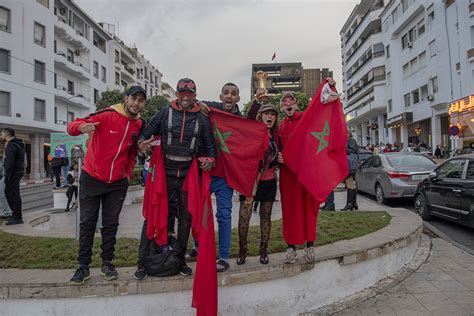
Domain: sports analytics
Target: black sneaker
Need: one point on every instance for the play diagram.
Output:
(140, 274)
(14, 221)
(222, 265)
(185, 270)
(80, 276)
(109, 272)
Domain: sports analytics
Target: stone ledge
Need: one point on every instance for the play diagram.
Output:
(404, 229)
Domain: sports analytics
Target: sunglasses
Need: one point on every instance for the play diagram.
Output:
(186, 85)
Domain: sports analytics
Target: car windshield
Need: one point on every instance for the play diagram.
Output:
(401, 161)
(364, 156)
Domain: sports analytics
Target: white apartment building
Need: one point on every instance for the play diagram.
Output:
(363, 68)
(168, 92)
(55, 60)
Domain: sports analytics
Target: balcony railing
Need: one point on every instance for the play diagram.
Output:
(470, 55)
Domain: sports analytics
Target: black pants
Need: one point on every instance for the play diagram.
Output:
(72, 190)
(93, 193)
(12, 193)
(57, 175)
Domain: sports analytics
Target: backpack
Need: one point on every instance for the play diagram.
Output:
(159, 263)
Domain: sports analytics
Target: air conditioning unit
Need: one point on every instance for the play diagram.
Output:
(409, 44)
(430, 97)
(77, 52)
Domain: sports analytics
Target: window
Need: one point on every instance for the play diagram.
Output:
(424, 92)
(452, 169)
(55, 46)
(404, 5)
(96, 96)
(99, 42)
(389, 106)
(103, 74)
(40, 72)
(422, 59)
(407, 100)
(117, 78)
(472, 36)
(40, 110)
(434, 84)
(156, 80)
(138, 73)
(39, 36)
(416, 96)
(70, 117)
(433, 48)
(470, 171)
(70, 87)
(387, 49)
(4, 19)
(55, 115)
(389, 78)
(406, 70)
(405, 41)
(4, 60)
(151, 77)
(5, 107)
(55, 80)
(43, 2)
(117, 56)
(70, 56)
(431, 16)
(95, 69)
(421, 27)
(413, 65)
(412, 35)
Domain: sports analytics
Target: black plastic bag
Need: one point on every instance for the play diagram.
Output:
(159, 263)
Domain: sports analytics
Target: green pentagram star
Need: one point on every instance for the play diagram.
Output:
(321, 135)
(222, 137)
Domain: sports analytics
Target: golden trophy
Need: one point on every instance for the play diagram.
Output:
(261, 93)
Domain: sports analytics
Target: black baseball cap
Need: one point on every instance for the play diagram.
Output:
(186, 84)
(136, 89)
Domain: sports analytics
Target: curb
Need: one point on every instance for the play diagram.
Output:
(421, 256)
(446, 237)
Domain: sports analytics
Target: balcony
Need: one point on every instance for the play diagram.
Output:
(127, 76)
(68, 34)
(76, 67)
(471, 10)
(77, 99)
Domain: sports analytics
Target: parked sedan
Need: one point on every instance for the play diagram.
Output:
(363, 155)
(421, 150)
(448, 192)
(393, 175)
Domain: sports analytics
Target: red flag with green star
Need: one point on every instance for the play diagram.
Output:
(240, 144)
(316, 150)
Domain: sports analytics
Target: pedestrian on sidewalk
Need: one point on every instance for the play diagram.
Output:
(108, 167)
(5, 211)
(57, 165)
(14, 166)
(352, 158)
(71, 179)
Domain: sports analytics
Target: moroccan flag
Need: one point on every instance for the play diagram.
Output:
(155, 201)
(316, 150)
(200, 208)
(240, 144)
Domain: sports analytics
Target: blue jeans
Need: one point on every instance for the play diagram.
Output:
(223, 194)
(4, 208)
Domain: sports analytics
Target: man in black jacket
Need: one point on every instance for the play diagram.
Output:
(14, 166)
(185, 133)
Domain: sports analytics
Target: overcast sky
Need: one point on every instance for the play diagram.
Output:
(214, 42)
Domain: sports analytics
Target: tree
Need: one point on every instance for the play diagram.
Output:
(108, 98)
(153, 105)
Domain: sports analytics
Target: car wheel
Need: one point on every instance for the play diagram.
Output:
(421, 208)
(379, 195)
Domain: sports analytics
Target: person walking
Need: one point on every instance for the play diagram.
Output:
(352, 157)
(57, 165)
(14, 166)
(108, 166)
(71, 179)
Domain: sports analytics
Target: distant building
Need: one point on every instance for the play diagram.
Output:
(281, 77)
(168, 92)
(312, 79)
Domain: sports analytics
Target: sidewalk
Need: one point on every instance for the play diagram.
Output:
(443, 285)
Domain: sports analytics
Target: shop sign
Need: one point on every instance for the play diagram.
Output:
(64, 145)
(461, 105)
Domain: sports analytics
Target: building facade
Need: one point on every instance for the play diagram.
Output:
(363, 73)
(55, 61)
(281, 77)
(168, 92)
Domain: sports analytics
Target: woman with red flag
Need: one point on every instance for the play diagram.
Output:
(266, 188)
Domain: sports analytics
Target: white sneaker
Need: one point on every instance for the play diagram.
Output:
(291, 256)
(309, 255)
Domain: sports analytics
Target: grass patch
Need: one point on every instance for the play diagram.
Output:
(60, 253)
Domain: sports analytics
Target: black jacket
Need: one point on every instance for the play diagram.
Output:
(179, 143)
(219, 106)
(14, 159)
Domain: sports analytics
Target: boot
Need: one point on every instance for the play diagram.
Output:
(263, 253)
(349, 206)
(242, 253)
(354, 199)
